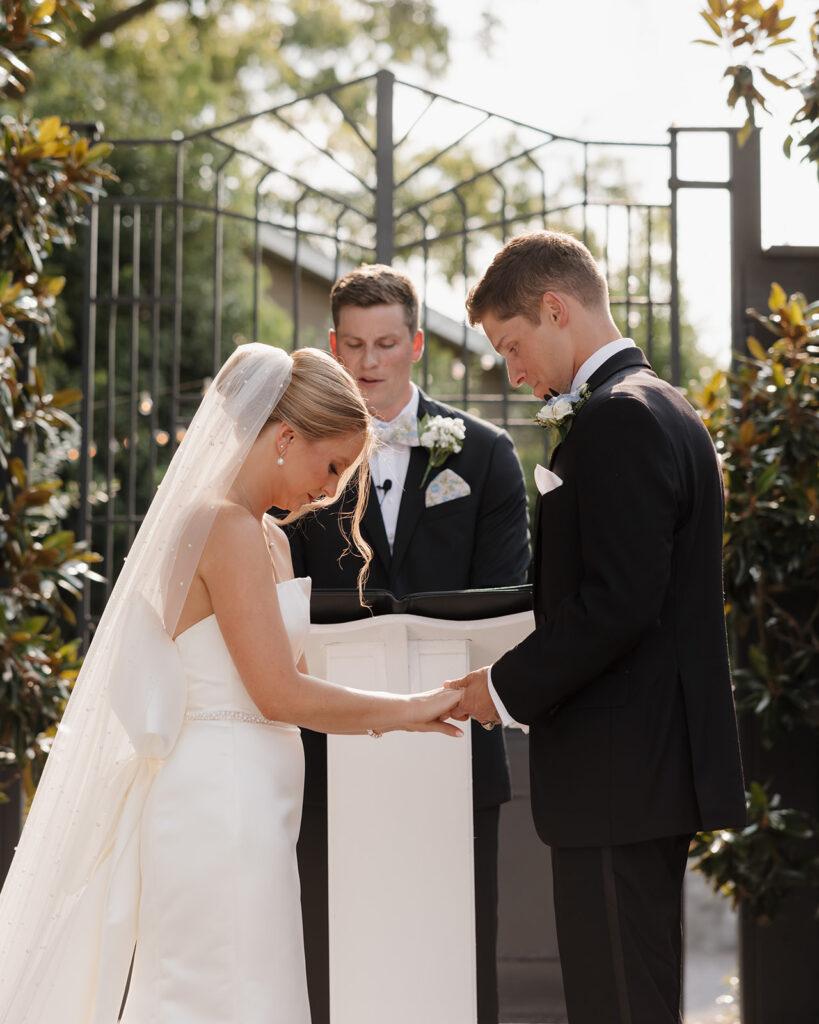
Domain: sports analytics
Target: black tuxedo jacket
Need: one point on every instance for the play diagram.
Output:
(625, 680)
(480, 540)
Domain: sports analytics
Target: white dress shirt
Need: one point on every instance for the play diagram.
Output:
(391, 462)
(591, 366)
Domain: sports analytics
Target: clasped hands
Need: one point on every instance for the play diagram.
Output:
(476, 701)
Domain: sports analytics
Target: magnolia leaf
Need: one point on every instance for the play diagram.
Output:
(757, 800)
(777, 298)
(43, 11)
(717, 9)
(35, 624)
(52, 285)
(756, 350)
(776, 81)
(49, 129)
(707, 42)
(745, 131)
(18, 472)
(69, 396)
(767, 478)
(713, 23)
(778, 375)
(747, 432)
(786, 146)
(794, 311)
(12, 292)
(60, 539)
(98, 152)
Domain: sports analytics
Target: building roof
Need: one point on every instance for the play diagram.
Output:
(283, 244)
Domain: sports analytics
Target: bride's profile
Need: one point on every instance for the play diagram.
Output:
(167, 816)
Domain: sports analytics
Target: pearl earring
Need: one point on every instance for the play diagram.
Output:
(280, 460)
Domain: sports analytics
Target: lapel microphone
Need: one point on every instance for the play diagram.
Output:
(384, 488)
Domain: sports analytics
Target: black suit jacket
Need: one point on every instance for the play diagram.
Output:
(481, 540)
(625, 680)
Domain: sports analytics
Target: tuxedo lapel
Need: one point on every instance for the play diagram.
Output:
(412, 500)
(538, 541)
(372, 527)
(623, 360)
(628, 357)
(412, 503)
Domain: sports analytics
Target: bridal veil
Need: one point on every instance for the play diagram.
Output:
(68, 909)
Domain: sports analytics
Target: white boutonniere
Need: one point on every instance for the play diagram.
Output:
(442, 436)
(558, 414)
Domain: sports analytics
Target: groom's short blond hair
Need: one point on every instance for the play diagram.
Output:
(529, 266)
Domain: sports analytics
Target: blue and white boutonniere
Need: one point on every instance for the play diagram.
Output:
(442, 436)
(558, 414)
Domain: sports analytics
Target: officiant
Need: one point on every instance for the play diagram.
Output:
(446, 511)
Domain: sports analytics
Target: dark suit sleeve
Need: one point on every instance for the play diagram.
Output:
(627, 507)
(500, 557)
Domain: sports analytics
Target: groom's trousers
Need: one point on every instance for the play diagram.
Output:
(618, 911)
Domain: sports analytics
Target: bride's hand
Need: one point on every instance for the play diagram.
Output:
(426, 712)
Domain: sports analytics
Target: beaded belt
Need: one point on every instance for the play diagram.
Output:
(230, 715)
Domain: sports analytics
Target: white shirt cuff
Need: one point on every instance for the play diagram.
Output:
(504, 715)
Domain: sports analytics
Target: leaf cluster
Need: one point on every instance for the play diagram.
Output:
(764, 419)
(772, 857)
(42, 567)
(47, 173)
(25, 28)
(755, 30)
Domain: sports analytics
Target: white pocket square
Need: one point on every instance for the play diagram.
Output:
(445, 487)
(546, 480)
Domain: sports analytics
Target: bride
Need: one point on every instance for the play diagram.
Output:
(168, 813)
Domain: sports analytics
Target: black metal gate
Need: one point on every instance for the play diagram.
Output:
(237, 232)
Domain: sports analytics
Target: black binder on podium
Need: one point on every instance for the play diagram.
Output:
(331, 606)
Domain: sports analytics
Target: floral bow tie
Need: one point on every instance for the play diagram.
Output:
(402, 430)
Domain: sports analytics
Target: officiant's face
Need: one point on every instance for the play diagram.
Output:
(540, 355)
(378, 349)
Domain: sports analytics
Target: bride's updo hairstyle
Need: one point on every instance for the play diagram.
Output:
(322, 400)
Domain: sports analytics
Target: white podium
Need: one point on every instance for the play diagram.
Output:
(401, 890)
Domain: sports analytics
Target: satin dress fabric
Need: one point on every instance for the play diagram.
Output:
(220, 928)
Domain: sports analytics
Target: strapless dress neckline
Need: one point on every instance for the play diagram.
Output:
(279, 583)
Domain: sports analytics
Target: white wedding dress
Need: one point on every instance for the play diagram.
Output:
(220, 932)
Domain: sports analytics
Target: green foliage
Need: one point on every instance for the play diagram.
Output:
(747, 28)
(47, 173)
(764, 419)
(760, 865)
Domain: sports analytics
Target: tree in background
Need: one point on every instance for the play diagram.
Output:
(764, 418)
(753, 32)
(47, 174)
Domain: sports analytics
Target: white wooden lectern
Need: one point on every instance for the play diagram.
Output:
(401, 890)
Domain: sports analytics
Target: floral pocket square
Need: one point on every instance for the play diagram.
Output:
(445, 487)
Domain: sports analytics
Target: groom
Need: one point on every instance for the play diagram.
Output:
(624, 682)
(462, 527)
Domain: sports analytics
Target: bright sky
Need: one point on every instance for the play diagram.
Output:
(626, 70)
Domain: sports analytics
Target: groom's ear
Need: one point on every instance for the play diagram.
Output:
(554, 310)
(417, 346)
(333, 343)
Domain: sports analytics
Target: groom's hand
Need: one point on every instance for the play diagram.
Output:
(476, 702)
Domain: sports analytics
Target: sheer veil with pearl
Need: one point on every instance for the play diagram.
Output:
(68, 909)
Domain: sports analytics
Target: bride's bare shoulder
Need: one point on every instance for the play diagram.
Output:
(235, 531)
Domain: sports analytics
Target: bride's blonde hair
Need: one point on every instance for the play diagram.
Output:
(322, 400)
